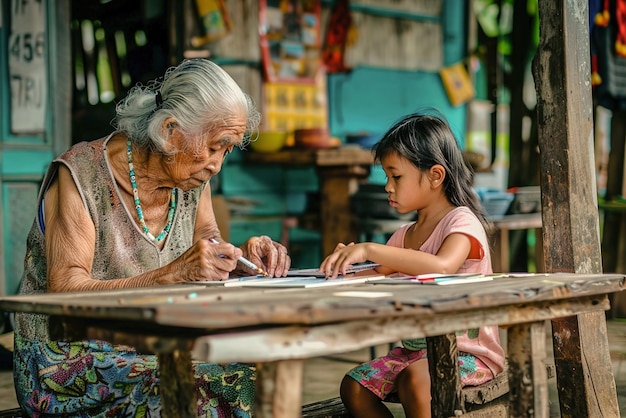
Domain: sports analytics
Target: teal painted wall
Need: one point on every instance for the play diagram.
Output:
(371, 99)
(23, 158)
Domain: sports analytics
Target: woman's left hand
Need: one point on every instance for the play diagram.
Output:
(268, 254)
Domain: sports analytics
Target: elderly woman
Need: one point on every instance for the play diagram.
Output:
(134, 210)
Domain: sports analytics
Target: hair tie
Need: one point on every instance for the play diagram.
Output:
(158, 99)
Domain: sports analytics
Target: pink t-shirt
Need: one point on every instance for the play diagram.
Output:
(483, 343)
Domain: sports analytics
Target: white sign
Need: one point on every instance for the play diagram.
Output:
(27, 65)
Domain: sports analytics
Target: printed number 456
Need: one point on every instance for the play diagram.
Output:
(27, 46)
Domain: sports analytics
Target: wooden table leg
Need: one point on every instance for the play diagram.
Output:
(178, 388)
(279, 389)
(500, 254)
(540, 263)
(528, 376)
(583, 366)
(443, 364)
(337, 185)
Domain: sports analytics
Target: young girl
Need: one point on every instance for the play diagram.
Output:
(425, 173)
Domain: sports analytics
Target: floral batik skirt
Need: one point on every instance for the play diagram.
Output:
(97, 379)
(379, 375)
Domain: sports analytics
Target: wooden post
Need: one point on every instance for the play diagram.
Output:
(527, 363)
(180, 401)
(337, 185)
(613, 238)
(279, 389)
(571, 238)
(445, 387)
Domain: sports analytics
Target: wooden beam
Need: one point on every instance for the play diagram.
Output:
(528, 378)
(443, 358)
(181, 400)
(565, 122)
(561, 70)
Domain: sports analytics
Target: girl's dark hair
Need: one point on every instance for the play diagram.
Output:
(425, 139)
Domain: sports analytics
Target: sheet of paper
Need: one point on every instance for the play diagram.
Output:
(320, 274)
(461, 280)
(308, 282)
(434, 278)
(366, 295)
(306, 274)
(235, 281)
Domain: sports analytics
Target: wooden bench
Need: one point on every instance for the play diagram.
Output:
(488, 400)
(12, 413)
(327, 408)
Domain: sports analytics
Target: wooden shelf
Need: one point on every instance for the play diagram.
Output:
(342, 156)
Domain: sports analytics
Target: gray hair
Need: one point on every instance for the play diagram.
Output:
(199, 94)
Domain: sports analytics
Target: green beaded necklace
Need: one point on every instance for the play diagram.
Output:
(142, 222)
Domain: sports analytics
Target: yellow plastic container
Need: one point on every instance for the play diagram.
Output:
(269, 142)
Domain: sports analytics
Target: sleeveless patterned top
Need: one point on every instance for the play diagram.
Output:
(122, 250)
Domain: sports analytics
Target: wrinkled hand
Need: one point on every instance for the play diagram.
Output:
(207, 261)
(342, 258)
(268, 254)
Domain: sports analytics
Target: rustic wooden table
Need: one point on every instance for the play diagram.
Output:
(279, 328)
(501, 249)
(339, 171)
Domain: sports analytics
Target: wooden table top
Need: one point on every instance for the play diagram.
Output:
(517, 221)
(214, 308)
(224, 324)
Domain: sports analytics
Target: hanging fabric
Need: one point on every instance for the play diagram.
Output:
(599, 15)
(337, 38)
(620, 21)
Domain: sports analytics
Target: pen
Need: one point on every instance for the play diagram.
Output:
(245, 261)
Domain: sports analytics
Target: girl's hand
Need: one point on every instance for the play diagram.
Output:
(268, 254)
(343, 258)
(341, 245)
(207, 261)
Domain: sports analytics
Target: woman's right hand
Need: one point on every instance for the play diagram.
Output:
(207, 261)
